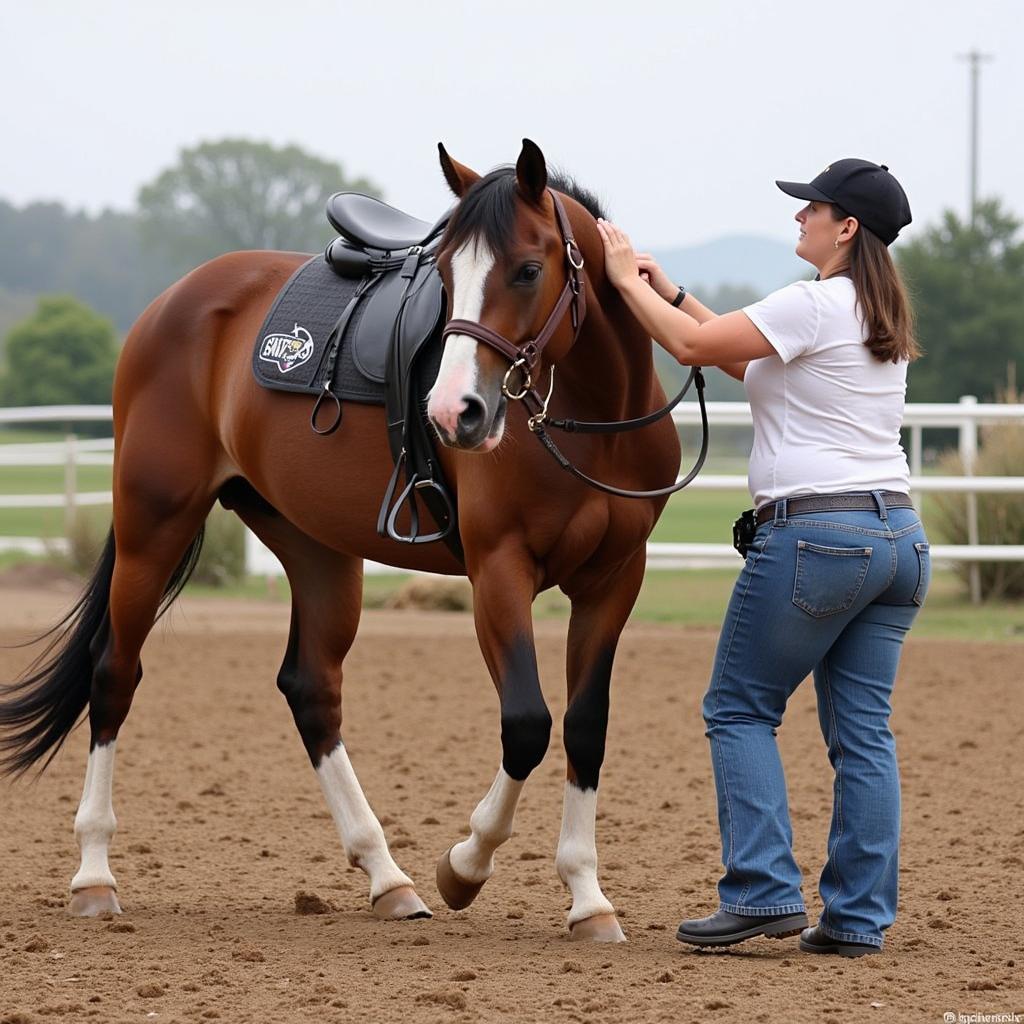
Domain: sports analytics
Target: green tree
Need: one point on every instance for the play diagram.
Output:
(967, 285)
(64, 353)
(238, 194)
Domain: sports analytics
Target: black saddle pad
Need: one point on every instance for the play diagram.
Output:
(376, 340)
(293, 344)
(291, 347)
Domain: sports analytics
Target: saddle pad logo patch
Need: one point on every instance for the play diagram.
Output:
(287, 351)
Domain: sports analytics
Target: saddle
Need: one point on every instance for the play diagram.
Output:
(363, 323)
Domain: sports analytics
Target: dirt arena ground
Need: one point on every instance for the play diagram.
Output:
(221, 824)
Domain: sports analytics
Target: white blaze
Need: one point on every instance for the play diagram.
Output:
(95, 822)
(457, 374)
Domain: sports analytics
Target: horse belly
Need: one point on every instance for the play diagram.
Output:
(330, 487)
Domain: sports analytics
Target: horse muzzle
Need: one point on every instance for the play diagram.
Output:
(473, 425)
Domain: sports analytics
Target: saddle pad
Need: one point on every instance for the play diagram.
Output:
(291, 347)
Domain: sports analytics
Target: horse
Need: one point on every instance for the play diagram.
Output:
(192, 427)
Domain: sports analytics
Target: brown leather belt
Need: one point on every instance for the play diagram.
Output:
(860, 502)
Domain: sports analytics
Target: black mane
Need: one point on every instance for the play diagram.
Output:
(488, 208)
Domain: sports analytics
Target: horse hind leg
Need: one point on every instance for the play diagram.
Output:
(155, 547)
(326, 604)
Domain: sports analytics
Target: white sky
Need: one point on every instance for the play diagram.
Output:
(680, 114)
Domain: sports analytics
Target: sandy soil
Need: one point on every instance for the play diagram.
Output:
(222, 824)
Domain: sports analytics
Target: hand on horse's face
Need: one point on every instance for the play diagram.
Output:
(620, 263)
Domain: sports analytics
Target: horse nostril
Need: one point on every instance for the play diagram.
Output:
(473, 416)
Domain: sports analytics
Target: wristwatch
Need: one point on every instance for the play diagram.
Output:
(678, 300)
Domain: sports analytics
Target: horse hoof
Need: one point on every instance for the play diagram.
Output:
(455, 891)
(93, 901)
(599, 928)
(401, 904)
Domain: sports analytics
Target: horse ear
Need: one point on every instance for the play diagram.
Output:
(531, 172)
(460, 178)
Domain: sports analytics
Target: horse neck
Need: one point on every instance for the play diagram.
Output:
(609, 372)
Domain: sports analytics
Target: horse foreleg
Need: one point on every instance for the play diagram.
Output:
(502, 596)
(599, 612)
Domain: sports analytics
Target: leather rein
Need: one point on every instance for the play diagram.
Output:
(526, 356)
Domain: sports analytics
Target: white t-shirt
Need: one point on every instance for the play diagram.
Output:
(827, 413)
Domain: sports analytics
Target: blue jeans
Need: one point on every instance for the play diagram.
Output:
(833, 593)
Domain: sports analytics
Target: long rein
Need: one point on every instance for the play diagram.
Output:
(525, 357)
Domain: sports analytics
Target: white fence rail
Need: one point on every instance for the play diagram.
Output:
(965, 416)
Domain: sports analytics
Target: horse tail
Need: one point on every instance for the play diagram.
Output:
(40, 709)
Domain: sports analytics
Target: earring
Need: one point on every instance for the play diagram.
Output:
(835, 244)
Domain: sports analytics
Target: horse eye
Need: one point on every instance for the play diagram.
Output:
(529, 273)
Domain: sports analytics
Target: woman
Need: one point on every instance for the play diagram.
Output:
(837, 561)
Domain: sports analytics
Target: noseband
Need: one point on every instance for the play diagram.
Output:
(526, 356)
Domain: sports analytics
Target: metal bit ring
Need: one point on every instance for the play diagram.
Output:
(527, 383)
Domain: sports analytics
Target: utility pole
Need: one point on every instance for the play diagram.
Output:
(974, 59)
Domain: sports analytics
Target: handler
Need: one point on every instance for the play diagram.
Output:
(837, 561)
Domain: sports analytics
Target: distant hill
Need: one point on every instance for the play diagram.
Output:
(763, 264)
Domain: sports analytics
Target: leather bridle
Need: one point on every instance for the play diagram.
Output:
(525, 357)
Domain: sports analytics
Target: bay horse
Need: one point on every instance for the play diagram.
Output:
(191, 426)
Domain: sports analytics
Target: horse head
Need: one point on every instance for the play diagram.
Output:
(503, 262)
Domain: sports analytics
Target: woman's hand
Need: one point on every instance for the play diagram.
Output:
(623, 263)
(656, 277)
(620, 260)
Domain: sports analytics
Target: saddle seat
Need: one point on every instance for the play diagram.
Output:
(371, 223)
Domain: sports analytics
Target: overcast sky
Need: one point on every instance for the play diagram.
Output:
(679, 114)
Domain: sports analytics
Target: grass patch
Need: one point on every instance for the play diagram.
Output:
(50, 479)
(692, 597)
(16, 434)
(698, 597)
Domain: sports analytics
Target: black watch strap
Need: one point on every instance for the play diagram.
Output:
(678, 300)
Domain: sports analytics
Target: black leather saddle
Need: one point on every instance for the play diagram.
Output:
(396, 313)
(370, 223)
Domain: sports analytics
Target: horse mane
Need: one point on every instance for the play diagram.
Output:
(488, 208)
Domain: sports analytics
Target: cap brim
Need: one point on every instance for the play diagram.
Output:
(802, 191)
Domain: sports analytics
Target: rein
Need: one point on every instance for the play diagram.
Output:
(525, 357)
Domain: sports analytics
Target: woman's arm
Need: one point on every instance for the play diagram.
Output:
(720, 341)
(693, 307)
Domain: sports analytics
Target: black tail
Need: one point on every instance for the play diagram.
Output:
(38, 712)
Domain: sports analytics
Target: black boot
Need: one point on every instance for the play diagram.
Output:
(814, 940)
(724, 928)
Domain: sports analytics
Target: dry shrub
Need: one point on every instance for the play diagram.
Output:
(86, 534)
(1000, 516)
(221, 563)
(222, 560)
(430, 594)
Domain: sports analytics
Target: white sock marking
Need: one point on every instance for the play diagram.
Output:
(576, 860)
(491, 825)
(95, 823)
(458, 372)
(360, 831)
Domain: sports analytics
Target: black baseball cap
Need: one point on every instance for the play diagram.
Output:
(864, 190)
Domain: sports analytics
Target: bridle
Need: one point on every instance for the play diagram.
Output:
(525, 357)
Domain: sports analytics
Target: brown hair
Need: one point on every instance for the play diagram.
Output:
(885, 308)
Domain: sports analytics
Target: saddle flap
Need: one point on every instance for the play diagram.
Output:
(385, 320)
